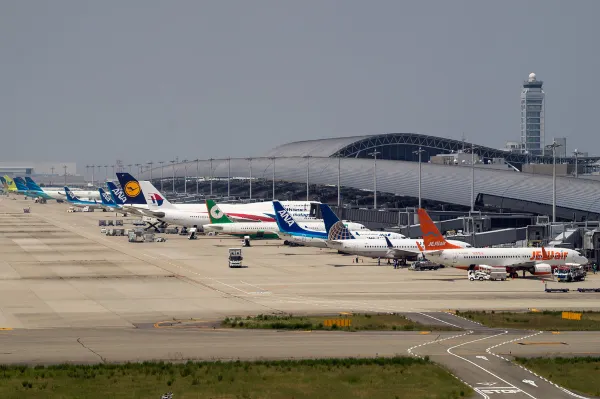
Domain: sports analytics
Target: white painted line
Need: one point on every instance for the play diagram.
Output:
(440, 320)
(488, 350)
(231, 286)
(482, 368)
(255, 286)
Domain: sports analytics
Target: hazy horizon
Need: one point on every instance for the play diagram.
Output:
(94, 82)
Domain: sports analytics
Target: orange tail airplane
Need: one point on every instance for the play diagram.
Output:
(432, 238)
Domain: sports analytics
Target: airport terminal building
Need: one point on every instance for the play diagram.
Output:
(448, 169)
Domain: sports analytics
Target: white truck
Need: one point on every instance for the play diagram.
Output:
(235, 257)
(487, 273)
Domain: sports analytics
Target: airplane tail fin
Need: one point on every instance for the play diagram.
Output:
(285, 221)
(33, 186)
(106, 198)
(329, 218)
(153, 197)
(10, 183)
(70, 196)
(432, 238)
(339, 231)
(116, 193)
(215, 213)
(20, 183)
(131, 189)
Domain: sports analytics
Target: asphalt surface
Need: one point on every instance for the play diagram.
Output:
(70, 294)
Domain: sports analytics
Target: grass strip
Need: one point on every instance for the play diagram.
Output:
(545, 320)
(579, 374)
(397, 377)
(358, 322)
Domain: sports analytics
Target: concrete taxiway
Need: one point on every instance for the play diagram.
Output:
(71, 294)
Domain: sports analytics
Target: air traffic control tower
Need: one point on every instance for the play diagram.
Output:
(532, 116)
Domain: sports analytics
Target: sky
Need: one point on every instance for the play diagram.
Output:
(140, 80)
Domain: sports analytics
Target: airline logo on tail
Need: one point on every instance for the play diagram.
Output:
(432, 238)
(339, 232)
(216, 212)
(70, 194)
(156, 199)
(106, 196)
(132, 189)
(287, 218)
(119, 194)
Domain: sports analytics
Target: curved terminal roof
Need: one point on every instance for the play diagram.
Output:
(359, 146)
(443, 183)
(314, 148)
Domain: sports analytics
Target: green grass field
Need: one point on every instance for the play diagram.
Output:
(579, 374)
(546, 320)
(399, 377)
(359, 322)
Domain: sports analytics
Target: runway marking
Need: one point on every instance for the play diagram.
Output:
(484, 369)
(255, 286)
(541, 343)
(488, 350)
(440, 320)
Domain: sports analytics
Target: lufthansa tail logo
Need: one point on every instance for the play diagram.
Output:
(132, 189)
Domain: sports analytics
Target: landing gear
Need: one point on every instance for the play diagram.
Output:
(516, 275)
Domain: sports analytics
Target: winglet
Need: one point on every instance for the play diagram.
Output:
(432, 238)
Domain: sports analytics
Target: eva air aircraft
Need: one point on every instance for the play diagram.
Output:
(221, 223)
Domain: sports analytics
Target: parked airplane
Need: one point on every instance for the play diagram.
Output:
(73, 199)
(259, 211)
(21, 186)
(10, 184)
(289, 229)
(220, 222)
(330, 219)
(36, 191)
(402, 248)
(537, 261)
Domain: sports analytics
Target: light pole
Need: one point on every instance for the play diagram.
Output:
(52, 170)
(113, 168)
(273, 177)
(211, 175)
(419, 152)
(197, 173)
(87, 171)
(185, 175)
(250, 166)
(105, 172)
(576, 153)
(150, 163)
(130, 165)
(472, 178)
(65, 168)
(173, 163)
(228, 177)
(162, 174)
(374, 154)
(553, 146)
(307, 157)
(339, 185)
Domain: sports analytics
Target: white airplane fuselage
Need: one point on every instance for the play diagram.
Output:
(531, 259)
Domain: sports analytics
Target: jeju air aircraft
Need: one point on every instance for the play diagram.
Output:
(537, 261)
